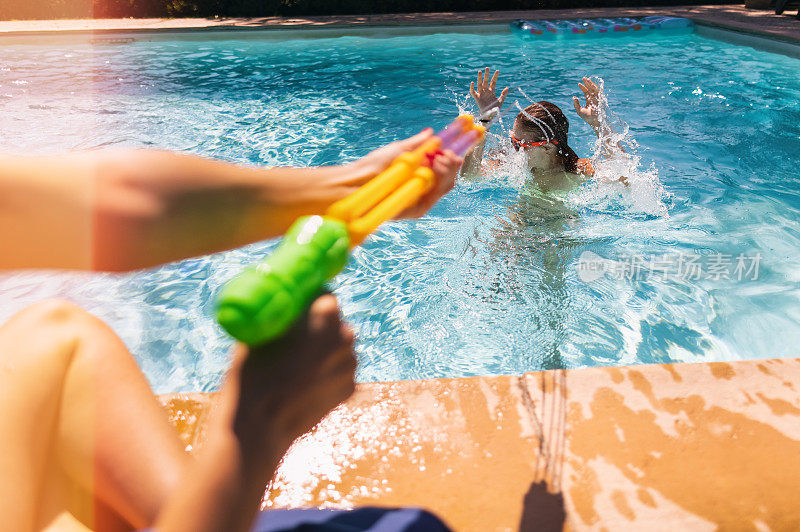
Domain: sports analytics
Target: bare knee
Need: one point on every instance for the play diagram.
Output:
(54, 310)
(51, 322)
(58, 328)
(51, 312)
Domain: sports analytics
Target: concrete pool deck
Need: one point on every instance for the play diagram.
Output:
(673, 447)
(732, 17)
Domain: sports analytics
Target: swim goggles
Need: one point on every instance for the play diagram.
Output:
(519, 144)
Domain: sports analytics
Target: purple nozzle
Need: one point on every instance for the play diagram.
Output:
(463, 143)
(451, 132)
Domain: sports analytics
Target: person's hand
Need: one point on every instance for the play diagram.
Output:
(445, 168)
(272, 395)
(284, 388)
(483, 91)
(590, 112)
(378, 160)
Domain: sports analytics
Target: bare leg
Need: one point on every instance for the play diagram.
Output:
(78, 417)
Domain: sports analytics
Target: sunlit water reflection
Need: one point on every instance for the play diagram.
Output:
(488, 283)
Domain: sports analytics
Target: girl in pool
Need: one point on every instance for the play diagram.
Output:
(540, 132)
(532, 245)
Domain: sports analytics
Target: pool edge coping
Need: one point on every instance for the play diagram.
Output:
(505, 433)
(718, 16)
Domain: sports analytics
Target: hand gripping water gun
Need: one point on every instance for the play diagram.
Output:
(263, 301)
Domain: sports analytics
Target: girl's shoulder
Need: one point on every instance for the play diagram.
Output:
(585, 167)
(490, 166)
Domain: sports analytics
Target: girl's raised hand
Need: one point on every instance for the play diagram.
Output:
(590, 112)
(483, 91)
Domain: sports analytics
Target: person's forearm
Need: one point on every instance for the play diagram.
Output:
(604, 133)
(607, 149)
(223, 491)
(45, 212)
(471, 167)
(244, 446)
(133, 209)
(203, 206)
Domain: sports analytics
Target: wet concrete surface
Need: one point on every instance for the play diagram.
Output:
(678, 446)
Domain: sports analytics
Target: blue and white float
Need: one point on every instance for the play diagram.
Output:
(600, 27)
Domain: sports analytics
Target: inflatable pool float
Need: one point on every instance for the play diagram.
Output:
(600, 27)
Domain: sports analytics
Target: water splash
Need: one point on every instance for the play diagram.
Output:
(459, 292)
(615, 156)
(644, 194)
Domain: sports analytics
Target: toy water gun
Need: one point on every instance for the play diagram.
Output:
(262, 302)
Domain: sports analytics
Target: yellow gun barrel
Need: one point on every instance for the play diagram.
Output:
(407, 179)
(375, 190)
(401, 199)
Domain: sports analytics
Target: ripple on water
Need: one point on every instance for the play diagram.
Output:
(488, 283)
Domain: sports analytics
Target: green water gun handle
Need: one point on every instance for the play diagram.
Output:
(261, 303)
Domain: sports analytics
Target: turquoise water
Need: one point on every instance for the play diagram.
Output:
(488, 283)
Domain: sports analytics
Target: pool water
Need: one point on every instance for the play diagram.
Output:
(491, 282)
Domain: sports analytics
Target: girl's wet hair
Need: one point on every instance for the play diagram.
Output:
(546, 122)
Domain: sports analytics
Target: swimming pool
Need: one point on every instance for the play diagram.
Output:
(486, 284)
